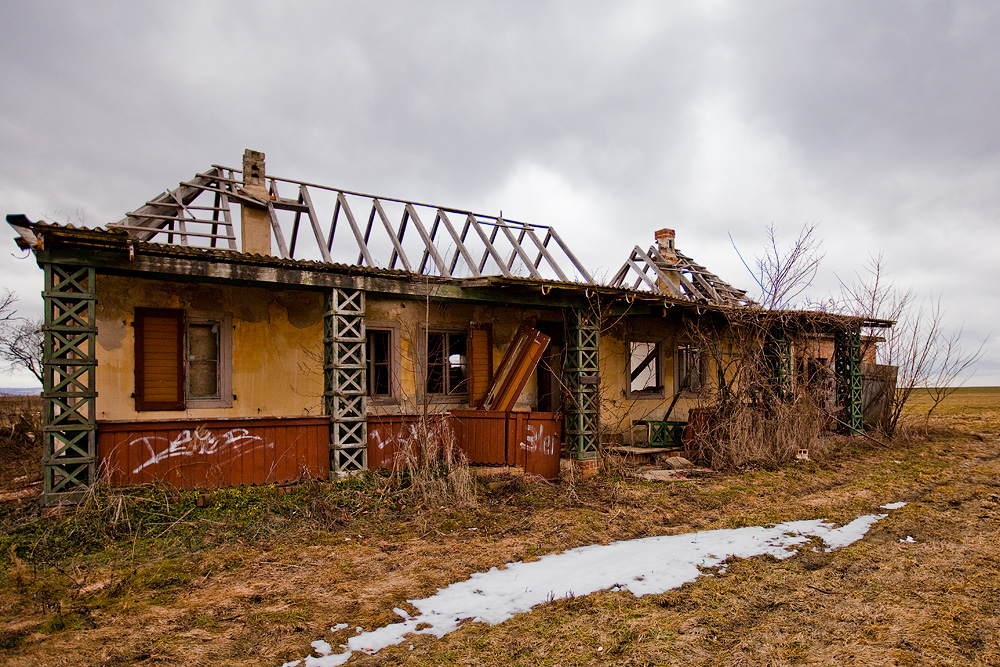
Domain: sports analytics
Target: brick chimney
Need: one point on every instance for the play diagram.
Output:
(665, 246)
(255, 221)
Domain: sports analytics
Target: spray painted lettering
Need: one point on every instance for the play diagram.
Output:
(232, 444)
(539, 441)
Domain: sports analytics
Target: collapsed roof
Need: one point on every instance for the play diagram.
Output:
(371, 231)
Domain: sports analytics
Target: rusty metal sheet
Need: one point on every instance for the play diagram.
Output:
(215, 453)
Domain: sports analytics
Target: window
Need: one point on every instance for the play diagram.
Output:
(379, 363)
(447, 362)
(689, 370)
(644, 369)
(182, 359)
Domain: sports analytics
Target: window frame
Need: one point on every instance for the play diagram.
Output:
(225, 364)
(659, 391)
(680, 349)
(458, 394)
(395, 388)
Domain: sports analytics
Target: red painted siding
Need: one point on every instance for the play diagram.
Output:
(215, 453)
(481, 434)
(531, 440)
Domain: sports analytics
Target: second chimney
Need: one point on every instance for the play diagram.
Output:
(255, 221)
(665, 247)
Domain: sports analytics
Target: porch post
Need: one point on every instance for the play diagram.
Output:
(69, 365)
(847, 361)
(345, 373)
(581, 376)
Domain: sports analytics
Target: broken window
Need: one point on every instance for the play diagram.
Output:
(447, 362)
(689, 369)
(182, 359)
(379, 362)
(645, 373)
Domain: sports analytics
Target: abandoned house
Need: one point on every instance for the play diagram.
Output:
(244, 328)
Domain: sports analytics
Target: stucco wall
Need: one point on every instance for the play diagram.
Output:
(277, 355)
(411, 318)
(618, 409)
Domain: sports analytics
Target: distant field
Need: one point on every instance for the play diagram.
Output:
(969, 408)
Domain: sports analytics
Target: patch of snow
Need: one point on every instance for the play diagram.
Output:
(909, 538)
(322, 648)
(643, 566)
(339, 627)
(892, 506)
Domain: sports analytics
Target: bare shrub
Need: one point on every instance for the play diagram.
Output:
(20, 425)
(431, 467)
(761, 413)
(741, 435)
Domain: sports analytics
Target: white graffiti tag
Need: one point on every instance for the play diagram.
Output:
(233, 443)
(538, 441)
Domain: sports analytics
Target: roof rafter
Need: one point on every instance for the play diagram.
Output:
(199, 213)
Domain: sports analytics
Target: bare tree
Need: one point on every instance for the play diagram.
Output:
(924, 355)
(21, 344)
(784, 274)
(20, 339)
(948, 369)
(7, 300)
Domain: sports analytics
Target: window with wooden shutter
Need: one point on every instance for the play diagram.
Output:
(182, 360)
(159, 359)
(480, 360)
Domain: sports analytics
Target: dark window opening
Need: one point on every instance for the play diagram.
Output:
(690, 368)
(379, 362)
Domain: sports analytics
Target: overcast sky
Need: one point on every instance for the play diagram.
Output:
(876, 121)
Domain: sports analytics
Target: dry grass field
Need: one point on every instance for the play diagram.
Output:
(145, 576)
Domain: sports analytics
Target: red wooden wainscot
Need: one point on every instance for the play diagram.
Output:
(215, 453)
(530, 440)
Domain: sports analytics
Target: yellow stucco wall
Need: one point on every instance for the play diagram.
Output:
(618, 410)
(277, 355)
(411, 318)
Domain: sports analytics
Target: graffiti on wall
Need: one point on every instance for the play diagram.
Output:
(540, 442)
(232, 444)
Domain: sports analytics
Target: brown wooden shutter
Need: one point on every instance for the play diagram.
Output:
(519, 362)
(480, 360)
(159, 359)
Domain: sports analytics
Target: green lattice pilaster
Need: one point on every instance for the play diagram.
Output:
(581, 376)
(847, 359)
(346, 386)
(781, 366)
(69, 364)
